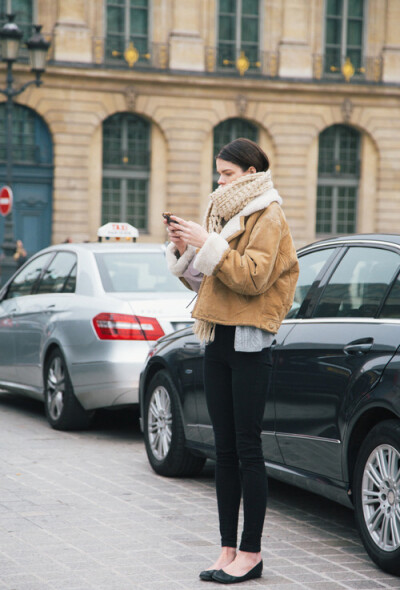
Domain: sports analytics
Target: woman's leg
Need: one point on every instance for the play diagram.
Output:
(250, 383)
(218, 388)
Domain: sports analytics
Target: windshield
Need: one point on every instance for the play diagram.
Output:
(136, 272)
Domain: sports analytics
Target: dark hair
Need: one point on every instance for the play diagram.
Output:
(245, 153)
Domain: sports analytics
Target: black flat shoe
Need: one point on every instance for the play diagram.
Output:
(224, 578)
(207, 575)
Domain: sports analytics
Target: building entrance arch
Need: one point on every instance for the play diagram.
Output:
(32, 177)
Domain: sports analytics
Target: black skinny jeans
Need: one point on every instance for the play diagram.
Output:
(236, 385)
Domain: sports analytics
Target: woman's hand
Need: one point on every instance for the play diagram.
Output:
(176, 239)
(187, 232)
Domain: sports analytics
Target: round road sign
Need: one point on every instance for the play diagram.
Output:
(6, 200)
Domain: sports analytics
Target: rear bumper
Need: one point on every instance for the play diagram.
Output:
(102, 384)
(111, 381)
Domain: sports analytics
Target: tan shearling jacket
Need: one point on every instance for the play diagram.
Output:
(250, 269)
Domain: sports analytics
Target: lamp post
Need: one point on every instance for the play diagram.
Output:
(10, 39)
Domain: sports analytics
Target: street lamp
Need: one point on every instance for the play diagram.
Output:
(10, 39)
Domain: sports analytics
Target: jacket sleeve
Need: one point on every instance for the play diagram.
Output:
(248, 274)
(178, 265)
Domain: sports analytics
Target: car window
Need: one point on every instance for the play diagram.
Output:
(310, 267)
(56, 275)
(359, 283)
(70, 283)
(136, 272)
(391, 308)
(25, 280)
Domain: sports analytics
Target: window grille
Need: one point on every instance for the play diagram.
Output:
(338, 180)
(126, 169)
(238, 31)
(344, 34)
(127, 23)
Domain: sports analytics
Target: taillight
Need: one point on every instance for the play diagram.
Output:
(118, 326)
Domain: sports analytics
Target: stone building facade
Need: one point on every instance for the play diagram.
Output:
(134, 116)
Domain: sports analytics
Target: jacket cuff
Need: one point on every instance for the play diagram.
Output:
(177, 266)
(211, 254)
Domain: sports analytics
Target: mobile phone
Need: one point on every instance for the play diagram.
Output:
(167, 216)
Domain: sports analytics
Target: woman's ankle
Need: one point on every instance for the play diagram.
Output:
(250, 556)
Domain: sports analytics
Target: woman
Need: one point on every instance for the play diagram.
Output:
(244, 265)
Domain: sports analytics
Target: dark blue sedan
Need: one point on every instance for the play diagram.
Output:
(332, 419)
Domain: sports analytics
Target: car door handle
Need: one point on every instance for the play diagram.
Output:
(359, 347)
(192, 345)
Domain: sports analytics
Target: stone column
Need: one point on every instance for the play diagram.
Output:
(391, 49)
(295, 54)
(72, 36)
(186, 46)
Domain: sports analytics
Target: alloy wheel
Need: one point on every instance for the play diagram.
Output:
(381, 497)
(159, 423)
(55, 388)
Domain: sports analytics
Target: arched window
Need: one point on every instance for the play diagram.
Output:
(338, 180)
(127, 23)
(344, 34)
(32, 176)
(126, 169)
(238, 31)
(27, 132)
(228, 131)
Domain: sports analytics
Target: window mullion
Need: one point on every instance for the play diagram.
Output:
(124, 137)
(336, 148)
(334, 209)
(127, 22)
(124, 191)
(345, 15)
(238, 42)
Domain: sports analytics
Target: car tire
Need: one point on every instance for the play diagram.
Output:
(63, 410)
(377, 495)
(164, 434)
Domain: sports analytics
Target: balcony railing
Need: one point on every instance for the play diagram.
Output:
(216, 60)
(104, 55)
(370, 69)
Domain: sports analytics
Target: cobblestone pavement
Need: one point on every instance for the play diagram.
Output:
(83, 511)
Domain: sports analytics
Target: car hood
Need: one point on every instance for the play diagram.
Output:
(171, 306)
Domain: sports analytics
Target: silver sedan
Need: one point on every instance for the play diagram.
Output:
(77, 321)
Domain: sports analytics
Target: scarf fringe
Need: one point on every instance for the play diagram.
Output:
(205, 331)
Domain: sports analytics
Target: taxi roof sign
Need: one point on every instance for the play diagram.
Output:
(118, 231)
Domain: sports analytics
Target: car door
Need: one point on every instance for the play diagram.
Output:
(35, 316)
(332, 357)
(11, 302)
(7, 341)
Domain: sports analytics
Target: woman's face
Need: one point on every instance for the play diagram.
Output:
(228, 172)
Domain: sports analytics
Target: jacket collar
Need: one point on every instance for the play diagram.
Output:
(236, 223)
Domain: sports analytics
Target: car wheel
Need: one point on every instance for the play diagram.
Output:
(163, 430)
(63, 410)
(377, 495)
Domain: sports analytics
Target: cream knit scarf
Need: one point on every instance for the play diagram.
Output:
(225, 202)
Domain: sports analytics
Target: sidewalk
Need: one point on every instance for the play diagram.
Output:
(84, 511)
